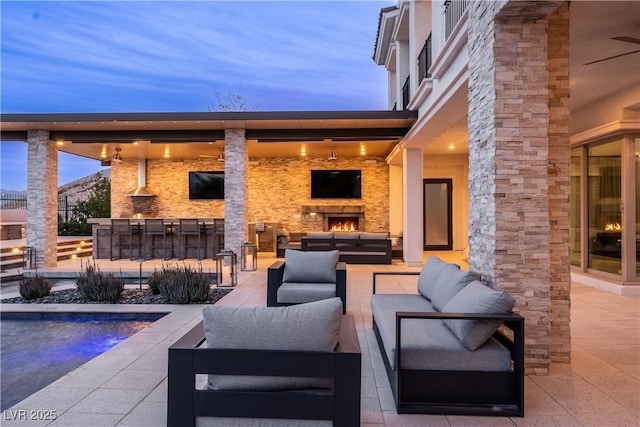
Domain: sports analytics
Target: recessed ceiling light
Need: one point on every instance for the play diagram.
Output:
(451, 146)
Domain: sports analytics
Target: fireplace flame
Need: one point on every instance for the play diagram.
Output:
(612, 226)
(344, 226)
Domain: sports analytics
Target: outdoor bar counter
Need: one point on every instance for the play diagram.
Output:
(137, 244)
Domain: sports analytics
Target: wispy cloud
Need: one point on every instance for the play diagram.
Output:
(89, 55)
(103, 56)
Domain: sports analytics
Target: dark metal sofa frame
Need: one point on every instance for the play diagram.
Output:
(457, 392)
(341, 404)
(275, 273)
(353, 251)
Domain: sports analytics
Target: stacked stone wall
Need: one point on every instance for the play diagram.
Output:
(235, 189)
(42, 197)
(511, 200)
(559, 183)
(276, 189)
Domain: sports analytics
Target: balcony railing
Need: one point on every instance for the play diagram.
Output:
(424, 60)
(406, 96)
(453, 11)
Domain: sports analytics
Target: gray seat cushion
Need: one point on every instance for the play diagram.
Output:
(477, 298)
(310, 267)
(297, 293)
(427, 343)
(304, 327)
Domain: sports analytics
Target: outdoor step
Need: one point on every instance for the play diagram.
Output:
(10, 275)
(11, 264)
(74, 248)
(13, 257)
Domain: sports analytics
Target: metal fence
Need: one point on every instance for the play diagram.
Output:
(19, 201)
(424, 60)
(453, 11)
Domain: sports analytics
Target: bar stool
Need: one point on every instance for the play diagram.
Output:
(218, 236)
(124, 228)
(193, 228)
(156, 228)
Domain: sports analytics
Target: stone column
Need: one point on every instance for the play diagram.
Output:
(413, 207)
(559, 182)
(235, 189)
(509, 156)
(42, 197)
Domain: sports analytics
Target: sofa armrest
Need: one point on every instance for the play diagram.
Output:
(392, 273)
(341, 284)
(343, 366)
(275, 273)
(513, 321)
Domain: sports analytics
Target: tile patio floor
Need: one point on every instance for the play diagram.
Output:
(126, 386)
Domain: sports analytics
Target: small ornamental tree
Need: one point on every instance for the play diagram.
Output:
(98, 205)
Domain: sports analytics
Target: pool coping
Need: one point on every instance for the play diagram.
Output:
(112, 385)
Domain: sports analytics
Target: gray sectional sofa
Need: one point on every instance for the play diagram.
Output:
(354, 247)
(442, 347)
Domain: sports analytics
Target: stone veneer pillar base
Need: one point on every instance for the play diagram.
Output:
(42, 197)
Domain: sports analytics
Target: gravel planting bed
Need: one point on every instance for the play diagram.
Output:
(129, 296)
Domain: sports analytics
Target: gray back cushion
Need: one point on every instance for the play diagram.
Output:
(477, 298)
(371, 236)
(449, 282)
(428, 276)
(320, 235)
(345, 235)
(311, 266)
(313, 326)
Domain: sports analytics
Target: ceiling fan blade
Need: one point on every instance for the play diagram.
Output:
(611, 57)
(626, 39)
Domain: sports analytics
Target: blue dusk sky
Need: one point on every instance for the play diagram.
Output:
(173, 56)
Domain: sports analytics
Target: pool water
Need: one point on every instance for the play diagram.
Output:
(38, 348)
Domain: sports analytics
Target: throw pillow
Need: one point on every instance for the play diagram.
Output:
(428, 276)
(313, 326)
(449, 282)
(477, 298)
(310, 266)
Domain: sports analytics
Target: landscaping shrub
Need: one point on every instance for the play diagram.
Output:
(156, 278)
(182, 284)
(98, 286)
(34, 287)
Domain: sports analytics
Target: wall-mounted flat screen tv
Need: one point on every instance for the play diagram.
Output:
(336, 184)
(206, 185)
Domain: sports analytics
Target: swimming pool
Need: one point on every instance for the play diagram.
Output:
(38, 348)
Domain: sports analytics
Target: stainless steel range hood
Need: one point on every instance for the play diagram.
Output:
(141, 190)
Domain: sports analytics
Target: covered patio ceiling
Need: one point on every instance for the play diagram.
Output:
(184, 136)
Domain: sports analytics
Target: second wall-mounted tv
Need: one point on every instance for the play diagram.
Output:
(336, 184)
(206, 185)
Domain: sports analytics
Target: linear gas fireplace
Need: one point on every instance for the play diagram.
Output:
(337, 218)
(340, 223)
